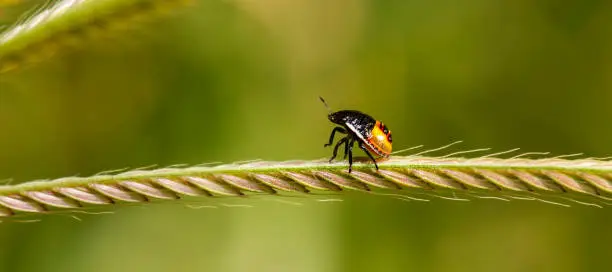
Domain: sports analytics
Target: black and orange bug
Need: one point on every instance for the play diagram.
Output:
(372, 135)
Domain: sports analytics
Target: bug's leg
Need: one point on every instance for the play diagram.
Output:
(333, 133)
(369, 154)
(346, 150)
(350, 153)
(343, 140)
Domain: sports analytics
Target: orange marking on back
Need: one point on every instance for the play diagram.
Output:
(379, 141)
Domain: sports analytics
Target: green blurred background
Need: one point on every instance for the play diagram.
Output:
(239, 80)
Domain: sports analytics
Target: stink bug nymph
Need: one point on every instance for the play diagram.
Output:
(372, 135)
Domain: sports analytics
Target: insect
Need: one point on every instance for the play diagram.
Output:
(371, 135)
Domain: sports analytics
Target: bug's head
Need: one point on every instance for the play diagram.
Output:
(336, 117)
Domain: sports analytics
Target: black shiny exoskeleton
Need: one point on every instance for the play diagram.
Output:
(357, 126)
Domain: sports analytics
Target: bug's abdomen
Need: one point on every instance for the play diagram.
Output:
(380, 140)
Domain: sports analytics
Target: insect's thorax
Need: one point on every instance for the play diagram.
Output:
(357, 122)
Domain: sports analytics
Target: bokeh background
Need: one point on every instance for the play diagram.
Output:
(239, 80)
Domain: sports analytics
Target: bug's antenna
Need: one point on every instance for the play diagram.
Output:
(325, 103)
